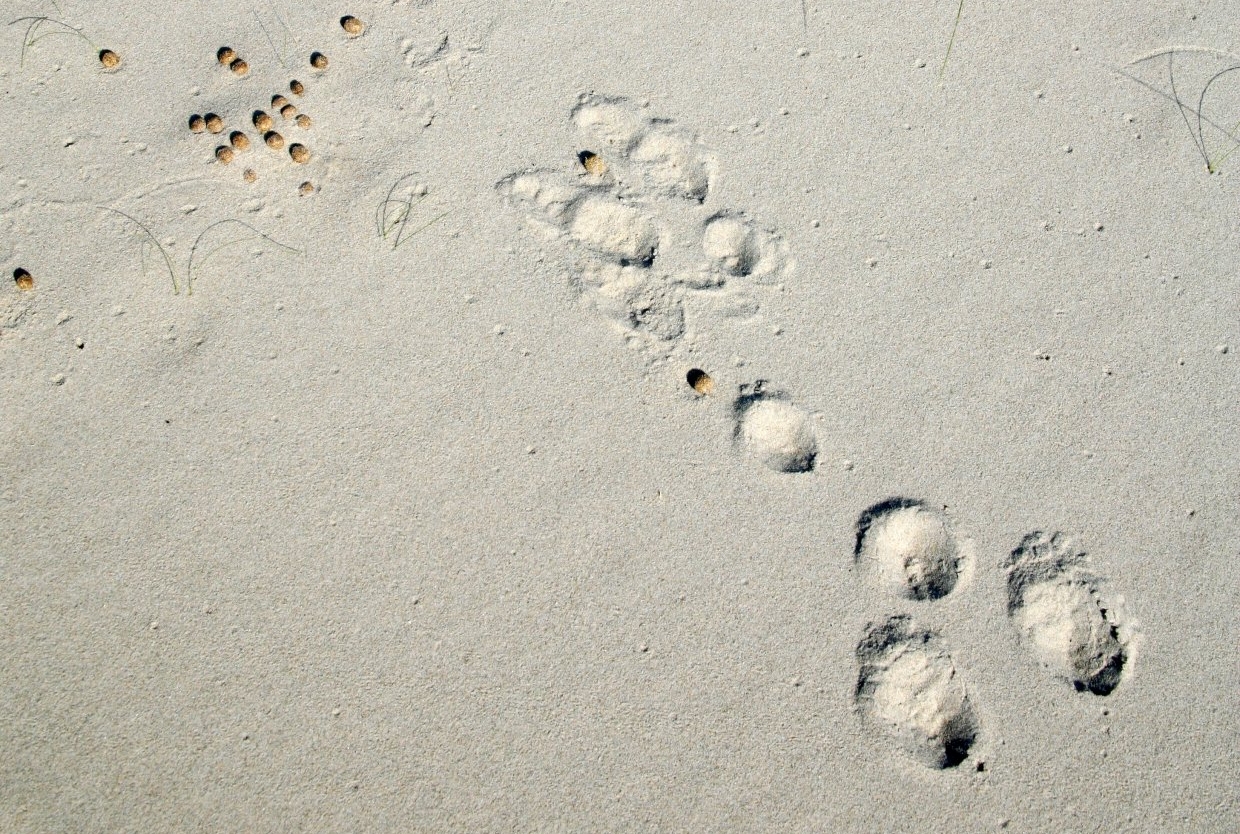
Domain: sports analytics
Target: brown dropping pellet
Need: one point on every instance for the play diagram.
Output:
(274, 140)
(214, 123)
(288, 111)
(225, 55)
(23, 279)
(224, 154)
(249, 175)
(700, 381)
(262, 121)
(352, 25)
(278, 101)
(318, 60)
(299, 153)
(109, 59)
(296, 87)
(306, 188)
(303, 121)
(592, 162)
(197, 123)
(239, 140)
(239, 67)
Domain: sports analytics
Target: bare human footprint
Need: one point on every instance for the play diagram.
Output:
(1057, 603)
(908, 689)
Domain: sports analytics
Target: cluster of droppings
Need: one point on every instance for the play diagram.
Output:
(267, 125)
(228, 57)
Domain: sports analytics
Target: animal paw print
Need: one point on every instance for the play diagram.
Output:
(617, 215)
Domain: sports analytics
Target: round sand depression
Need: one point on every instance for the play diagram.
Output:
(779, 434)
(912, 548)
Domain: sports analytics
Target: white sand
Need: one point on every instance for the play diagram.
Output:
(407, 520)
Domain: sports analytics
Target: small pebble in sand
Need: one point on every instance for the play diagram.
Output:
(214, 123)
(318, 60)
(239, 67)
(299, 153)
(288, 111)
(239, 140)
(224, 154)
(352, 25)
(306, 188)
(249, 175)
(274, 140)
(303, 121)
(700, 381)
(262, 121)
(1222, 349)
(58, 379)
(197, 124)
(296, 87)
(225, 55)
(23, 279)
(109, 59)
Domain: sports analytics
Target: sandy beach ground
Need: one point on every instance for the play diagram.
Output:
(593, 416)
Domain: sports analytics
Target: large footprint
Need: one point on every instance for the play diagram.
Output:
(1056, 601)
(911, 548)
(908, 688)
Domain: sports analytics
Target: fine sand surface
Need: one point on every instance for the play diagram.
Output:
(620, 416)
